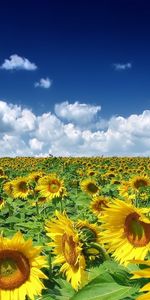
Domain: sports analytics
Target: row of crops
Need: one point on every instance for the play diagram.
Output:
(74, 228)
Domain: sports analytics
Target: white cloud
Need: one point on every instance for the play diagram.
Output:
(78, 113)
(24, 133)
(122, 67)
(16, 62)
(44, 83)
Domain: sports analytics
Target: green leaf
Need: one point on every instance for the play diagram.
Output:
(104, 287)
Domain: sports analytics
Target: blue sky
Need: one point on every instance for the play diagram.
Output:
(91, 54)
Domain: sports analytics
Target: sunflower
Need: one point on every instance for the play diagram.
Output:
(91, 172)
(67, 248)
(138, 182)
(50, 186)
(89, 186)
(126, 231)
(90, 231)
(20, 266)
(21, 188)
(35, 176)
(8, 188)
(143, 273)
(98, 203)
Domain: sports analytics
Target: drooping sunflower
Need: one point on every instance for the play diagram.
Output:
(90, 236)
(20, 265)
(21, 188)
(50, 186)
(98, 204)
(67, 248)
(126, 231)
(89, 186)
(143, 273)
(91, 231)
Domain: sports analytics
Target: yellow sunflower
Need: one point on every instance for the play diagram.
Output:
(139, 181)
(8, 188)
(21, 188)
(20, 266)
(143, 273)
(89, 186)
(126, 230)
(67, 248)
(51, 186)
(35, 176)
(98, 204)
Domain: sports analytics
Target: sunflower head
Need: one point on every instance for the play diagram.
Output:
(20, 264)
(90, 232)
(21, 188)
(50, 186)
(126, 231)
(67, 248)
(98, 204)
(89, 186)
(138, 182)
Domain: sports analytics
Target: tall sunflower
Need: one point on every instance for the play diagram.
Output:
(143, 273)
(126, 231)
(67, 248)
(51, 186)
(89, 186)
(20, 266)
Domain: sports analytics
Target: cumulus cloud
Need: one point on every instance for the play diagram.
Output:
(16, 62)
(43, 83)
(22, 133)
(78, 113)
(122, 67)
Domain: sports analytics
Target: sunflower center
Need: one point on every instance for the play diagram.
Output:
(54, 186)
(137, 232)
(140, 183)
(69, 249)
(92, 187)
(14, 269)
(23, 186)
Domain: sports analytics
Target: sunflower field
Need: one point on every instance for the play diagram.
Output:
(74, 228)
